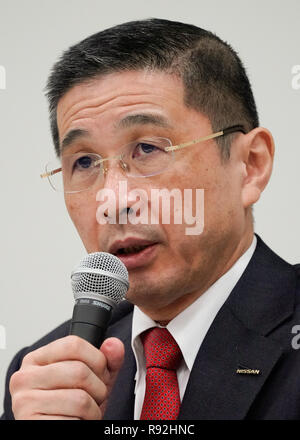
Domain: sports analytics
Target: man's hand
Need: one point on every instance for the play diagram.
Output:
(66, 379)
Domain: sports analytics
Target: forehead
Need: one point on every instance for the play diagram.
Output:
(122, 84)
(116, 93)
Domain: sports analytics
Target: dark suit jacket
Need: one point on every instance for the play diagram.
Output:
(253, 330)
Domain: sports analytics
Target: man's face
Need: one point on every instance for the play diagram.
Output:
(176, 268)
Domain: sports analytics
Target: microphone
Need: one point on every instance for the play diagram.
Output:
(99, 283)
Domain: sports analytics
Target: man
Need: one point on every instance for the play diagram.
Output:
(225, 301)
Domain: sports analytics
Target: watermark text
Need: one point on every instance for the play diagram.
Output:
(158, 206)
(296, 338)
(2, 337)
(2, 78)
(296, 77)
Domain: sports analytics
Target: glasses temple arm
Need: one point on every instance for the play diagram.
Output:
(228, 130)
(50, 173)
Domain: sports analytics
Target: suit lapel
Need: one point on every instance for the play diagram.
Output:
(215, 390)
(241, 338)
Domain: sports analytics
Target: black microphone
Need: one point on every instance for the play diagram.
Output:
(99, 283)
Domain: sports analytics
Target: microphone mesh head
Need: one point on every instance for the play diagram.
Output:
(89, 277)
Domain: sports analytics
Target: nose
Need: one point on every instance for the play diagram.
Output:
(115, 196)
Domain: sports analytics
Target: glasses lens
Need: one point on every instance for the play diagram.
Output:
(80, 171)
(75, 172)
(147, 157)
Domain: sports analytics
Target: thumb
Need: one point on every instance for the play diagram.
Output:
(113, 349)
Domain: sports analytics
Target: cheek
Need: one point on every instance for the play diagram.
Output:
(82, 212)
(223, 207)
(221, 192)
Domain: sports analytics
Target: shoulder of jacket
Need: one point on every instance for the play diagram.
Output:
(297, 268)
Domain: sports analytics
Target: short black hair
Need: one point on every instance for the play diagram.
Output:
(214, 78)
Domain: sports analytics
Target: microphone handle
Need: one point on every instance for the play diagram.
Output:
(90, 320)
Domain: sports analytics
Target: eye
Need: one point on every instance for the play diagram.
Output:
(83, 163)
(144, 149)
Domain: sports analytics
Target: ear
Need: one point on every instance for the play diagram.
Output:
(258, 154)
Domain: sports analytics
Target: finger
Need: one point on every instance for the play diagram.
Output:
(60, 375)
(113, 350)
(68, 348)
(66, 402)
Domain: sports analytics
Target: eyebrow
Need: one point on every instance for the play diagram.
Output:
(72, 136)
(143, 119)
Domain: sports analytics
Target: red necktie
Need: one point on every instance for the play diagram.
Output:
(163, 356)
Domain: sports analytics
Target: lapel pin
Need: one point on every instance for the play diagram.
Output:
(246, 370)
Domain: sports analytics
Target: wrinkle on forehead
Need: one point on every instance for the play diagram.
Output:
(85, 110)
(128, 89)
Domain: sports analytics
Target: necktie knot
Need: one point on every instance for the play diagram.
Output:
(161, 349)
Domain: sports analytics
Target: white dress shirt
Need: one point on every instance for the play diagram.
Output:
(194, 320)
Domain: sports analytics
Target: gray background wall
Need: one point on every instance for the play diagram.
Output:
(39, 245)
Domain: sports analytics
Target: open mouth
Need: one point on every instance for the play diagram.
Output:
(134, 252)
(131, 250)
